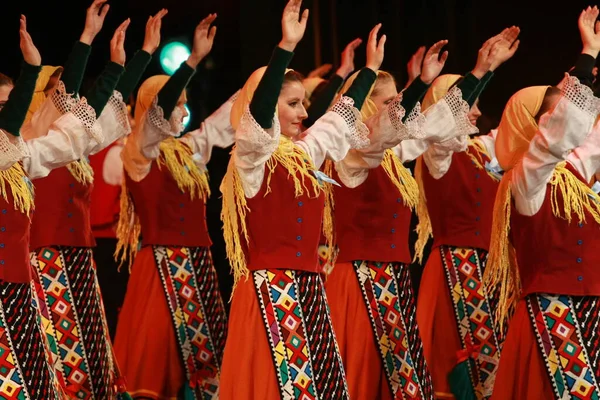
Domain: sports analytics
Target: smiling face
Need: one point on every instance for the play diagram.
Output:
(290, 107)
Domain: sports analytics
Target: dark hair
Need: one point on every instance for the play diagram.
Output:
(292, 76)
(5, 80)
(548, 102)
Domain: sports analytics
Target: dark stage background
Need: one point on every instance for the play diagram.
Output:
(248, 30)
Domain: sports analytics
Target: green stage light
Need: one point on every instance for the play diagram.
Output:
(172, 55)
(186, 120)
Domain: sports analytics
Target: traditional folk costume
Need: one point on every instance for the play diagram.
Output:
(172, 327)
(281, 343)
(27, 362)
(545, 246)
(62, 239)
(457, 182)
(370, 291)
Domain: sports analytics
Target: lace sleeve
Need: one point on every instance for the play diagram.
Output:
(254, 146)
(114, 122)
(12, 150)
(87, 116)
(357, 132)
(57, 104)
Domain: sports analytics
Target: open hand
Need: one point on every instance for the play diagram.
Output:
(204, 38)
(152, 37)
(31, 54)
(375, 49)
(347, 65)
(117, 44)
(589, 28)
(292, 26)
(434, 62)
(94, 19)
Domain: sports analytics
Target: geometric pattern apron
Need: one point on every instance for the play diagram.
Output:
(389, 298)
(73, 317)
(567, 329)
(298, 326)
(25, 369)
(474, 311)
(191, 288)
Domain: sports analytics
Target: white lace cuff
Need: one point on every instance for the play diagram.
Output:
(11, 151)
(87, 116)
(358, 133)
(118, 109)
(580, 95)
(256, 137)
(412, 127)
(63, 101)
(460, 111)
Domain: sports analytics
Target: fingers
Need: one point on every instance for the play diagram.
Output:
(304, 18)
(205, 23)
(354, 44)
(373, 34)
(437, 47)
(444, 57)
(212, 33)
(104, 11)
(381, 45)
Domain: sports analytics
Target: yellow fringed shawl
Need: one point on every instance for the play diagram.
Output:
(233, 214)
(82, 171)
(15, 179)
(502, 273)
(177, 157)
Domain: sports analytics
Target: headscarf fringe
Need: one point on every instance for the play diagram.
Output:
(82, 171)
(235, 207)
(177, 156)
(401, 178)
(475, 151)
(424, 230)
(15, 180)
(128, 230)
(502, 273)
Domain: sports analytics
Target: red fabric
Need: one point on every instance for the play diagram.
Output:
(358, 348)
(283, 229)
(248, 370)
(461, 203)
(145, 344)
(168, 215)
(105, 200)
(556, 256)
(437, 325)
(14, 243)
(372, 222)
(62, 212)
(522, 371)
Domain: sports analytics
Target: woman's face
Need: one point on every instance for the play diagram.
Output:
(291, 111)
(384, 93)
(4, 92)
(474, 113)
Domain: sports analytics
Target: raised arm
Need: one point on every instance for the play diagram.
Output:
(322, 102)
(156, 124)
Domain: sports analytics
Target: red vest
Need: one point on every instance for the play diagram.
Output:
(372, 223)
(554, 256)
(105, 200)
(461, 203)
(62, 213)
(14, 243)
(284, 230)
(168, 215)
